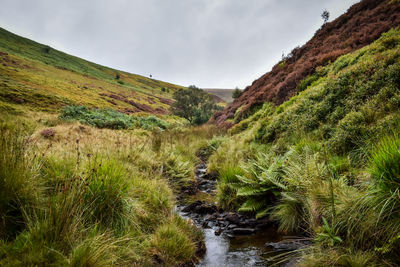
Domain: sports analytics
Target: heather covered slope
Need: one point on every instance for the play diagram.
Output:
(37, 77)
(362, 24)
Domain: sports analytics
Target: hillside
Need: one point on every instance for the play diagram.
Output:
(37, 77)
(325, 164)
(224, 94)
(363, 23)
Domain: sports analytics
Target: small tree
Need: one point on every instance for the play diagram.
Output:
(325, 16)
(194, 104)
(236, 93)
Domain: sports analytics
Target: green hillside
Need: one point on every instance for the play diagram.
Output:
(325, 164)
(37, 77)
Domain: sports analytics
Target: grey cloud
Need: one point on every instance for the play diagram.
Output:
(210, 43)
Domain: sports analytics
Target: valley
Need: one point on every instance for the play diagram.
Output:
(101, 167)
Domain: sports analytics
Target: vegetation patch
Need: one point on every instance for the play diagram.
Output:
(109, 118)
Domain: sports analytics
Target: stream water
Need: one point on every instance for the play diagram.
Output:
(225, 249)
(238, 251)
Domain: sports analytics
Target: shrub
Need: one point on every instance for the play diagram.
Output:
(194, 104)
(350, 133)
(236, 93)
(109, 118)
(307, 82)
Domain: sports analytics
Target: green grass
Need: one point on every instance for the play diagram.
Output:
(37, 77)
(385, 163)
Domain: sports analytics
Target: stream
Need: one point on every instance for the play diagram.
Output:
(233, 239)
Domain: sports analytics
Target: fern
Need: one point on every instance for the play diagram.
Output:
(260, 184)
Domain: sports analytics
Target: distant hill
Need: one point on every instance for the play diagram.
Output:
(224, 94)
(37, 77)
(362, 24)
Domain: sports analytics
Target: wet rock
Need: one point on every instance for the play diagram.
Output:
(263, 223)
(205, 224)
(243, 231)
(232, 226)
(287, 245)
(209, 217)
(205, 209)
(218, 231)
(232, 218)
(203, 182)
(192, 206)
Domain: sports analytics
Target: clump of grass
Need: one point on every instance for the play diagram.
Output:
(172, 246)
(107, 194)
(18, 181)
(227, 186)
(385, 163)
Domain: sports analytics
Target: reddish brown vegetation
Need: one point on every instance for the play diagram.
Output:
(165, 100)
(138, 107)
(48, 133)
(363, 23)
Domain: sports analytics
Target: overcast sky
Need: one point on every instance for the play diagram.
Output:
(208, 43)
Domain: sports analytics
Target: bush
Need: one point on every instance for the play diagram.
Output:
(350, 133)
(236, 93)
(194, 104)
(109, 118)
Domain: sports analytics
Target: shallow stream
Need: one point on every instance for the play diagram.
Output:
(232, 250)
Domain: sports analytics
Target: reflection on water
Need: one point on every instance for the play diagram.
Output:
(237, 251)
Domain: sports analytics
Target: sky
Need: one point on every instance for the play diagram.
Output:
(207, 43)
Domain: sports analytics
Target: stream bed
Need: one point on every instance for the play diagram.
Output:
(233, 239)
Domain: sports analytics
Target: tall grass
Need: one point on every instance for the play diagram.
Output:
(18, 179)
(385, 163)
(100, 201)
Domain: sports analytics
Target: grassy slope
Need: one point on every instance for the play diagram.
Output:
(36, 77)
(310, 158)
